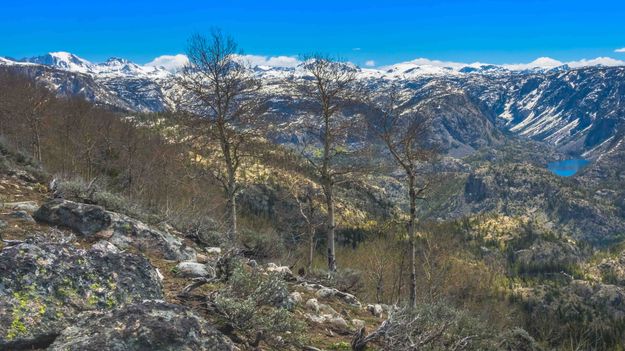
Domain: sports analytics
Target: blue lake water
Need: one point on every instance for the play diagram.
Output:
(567, 168)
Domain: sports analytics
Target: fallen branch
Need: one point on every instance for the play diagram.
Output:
(9, 242)
(197, 282)
(360, 340)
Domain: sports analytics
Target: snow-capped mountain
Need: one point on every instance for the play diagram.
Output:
(576, 106)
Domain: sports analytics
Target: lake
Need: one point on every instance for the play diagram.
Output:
(567, 168)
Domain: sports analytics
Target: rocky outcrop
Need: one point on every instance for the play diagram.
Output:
(84, 219)
(150, 325)
(94, 222)
(44, 286)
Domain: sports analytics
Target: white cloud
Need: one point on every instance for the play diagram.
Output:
(541, 62)
(370, 63)
(620, 50)
(171, 63)
(272, 61)
(603, 61)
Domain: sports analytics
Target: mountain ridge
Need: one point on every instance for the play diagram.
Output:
(574, 109)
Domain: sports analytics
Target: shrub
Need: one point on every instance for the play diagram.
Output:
(257, 306)
(77, 189)
(518, 339)
(436, 327)
(261, 244)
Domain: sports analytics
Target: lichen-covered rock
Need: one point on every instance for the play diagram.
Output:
(44, 286)
(86, 220)
(127, 232)
(93, 222)
(151, 325)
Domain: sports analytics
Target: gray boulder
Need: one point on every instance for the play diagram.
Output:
(43, 287)
(94, 222)
(86, 220)
(151, 325)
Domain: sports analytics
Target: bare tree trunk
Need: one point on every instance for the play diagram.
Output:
(412, 238)
(331, 226)
(231, 212)
(311, 247)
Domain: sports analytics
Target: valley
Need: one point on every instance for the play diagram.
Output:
(502, 229)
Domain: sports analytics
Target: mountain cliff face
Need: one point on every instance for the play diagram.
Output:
(577, 110)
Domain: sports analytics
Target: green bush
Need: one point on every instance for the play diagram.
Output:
(257, 306)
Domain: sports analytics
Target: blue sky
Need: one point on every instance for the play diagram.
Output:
(383, 31)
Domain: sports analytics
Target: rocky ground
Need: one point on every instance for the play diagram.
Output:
(75, 276)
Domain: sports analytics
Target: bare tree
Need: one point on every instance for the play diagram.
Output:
(306, 197)
(28, 103)
(402, 132)
(221, 97)
(329, 87)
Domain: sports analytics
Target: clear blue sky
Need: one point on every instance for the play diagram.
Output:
(497, 31)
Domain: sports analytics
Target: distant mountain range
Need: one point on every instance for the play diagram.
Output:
(577, 110)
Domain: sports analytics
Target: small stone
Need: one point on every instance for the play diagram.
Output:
(338, 323)
(375, 310)
(22, 215)
(201, 258)
(192, 269)
(312, 304)
(105, 246)
(358, 323)
(325, 293)
(272, 267)
(296, 297)
(213, 250)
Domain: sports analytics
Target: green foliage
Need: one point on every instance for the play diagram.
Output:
(257, 307)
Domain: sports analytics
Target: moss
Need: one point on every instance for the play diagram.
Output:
(16, 329)
(110, 302)
(343, 345)
(27, 308)
(92, 300)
